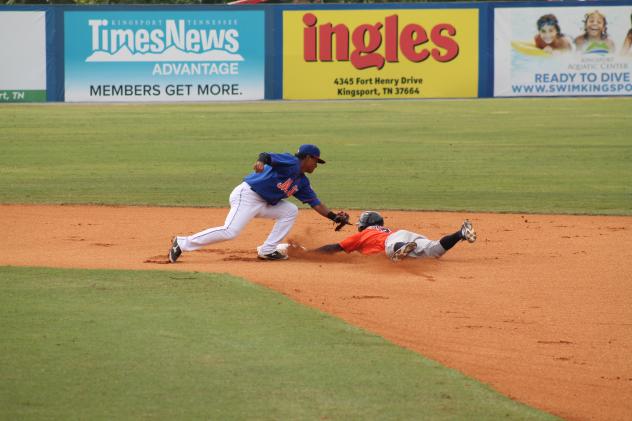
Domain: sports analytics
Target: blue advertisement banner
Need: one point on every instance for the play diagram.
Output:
(146, 56)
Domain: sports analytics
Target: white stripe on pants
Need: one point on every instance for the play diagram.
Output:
(245, 205)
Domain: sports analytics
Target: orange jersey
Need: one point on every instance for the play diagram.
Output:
(368, 241)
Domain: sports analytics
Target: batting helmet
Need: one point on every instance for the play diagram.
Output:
(368, 219)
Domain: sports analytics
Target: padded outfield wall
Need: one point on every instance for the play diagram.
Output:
(337, 51)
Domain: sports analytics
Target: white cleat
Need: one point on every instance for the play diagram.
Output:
(404, 251)
(467, 232)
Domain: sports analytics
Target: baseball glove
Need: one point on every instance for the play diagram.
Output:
(340, 220)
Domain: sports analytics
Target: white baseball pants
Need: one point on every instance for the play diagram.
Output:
(425, 247)
(245, 205)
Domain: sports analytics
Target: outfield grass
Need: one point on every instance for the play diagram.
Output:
(115, 345)
(509, 155)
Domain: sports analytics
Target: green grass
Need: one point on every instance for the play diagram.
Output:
(115, 345)
(156, 345)
(508, 155)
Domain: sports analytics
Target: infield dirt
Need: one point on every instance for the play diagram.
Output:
(540, 307)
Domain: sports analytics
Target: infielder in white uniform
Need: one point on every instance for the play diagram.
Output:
(261, 195)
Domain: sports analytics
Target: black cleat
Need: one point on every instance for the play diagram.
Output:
(275, 255)
(174, 251)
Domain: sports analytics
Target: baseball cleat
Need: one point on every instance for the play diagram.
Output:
(275, 255)
(467, 232)
(404, 251)
(174, 251)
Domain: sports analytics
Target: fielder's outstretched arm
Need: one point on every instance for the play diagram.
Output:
(322, 209)
(340, 219)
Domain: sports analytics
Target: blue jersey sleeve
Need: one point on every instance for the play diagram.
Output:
(282, 159)
(305, 193)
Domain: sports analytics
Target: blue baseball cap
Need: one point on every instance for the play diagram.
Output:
(311, 150)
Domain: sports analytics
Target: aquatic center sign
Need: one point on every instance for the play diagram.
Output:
(164, 56)
(563, 51)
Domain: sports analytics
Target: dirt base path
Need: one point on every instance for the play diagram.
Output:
(540, 307)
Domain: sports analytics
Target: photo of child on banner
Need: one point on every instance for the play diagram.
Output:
(550, 37)
(627, 41)
(595, 38)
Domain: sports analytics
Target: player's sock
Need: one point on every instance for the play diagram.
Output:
(449, 241)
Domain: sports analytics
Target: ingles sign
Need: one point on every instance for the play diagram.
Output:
(165, 56)
(380, 54)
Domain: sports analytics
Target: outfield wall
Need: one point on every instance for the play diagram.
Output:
(336, 51)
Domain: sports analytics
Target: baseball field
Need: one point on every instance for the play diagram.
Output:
(532, 321)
